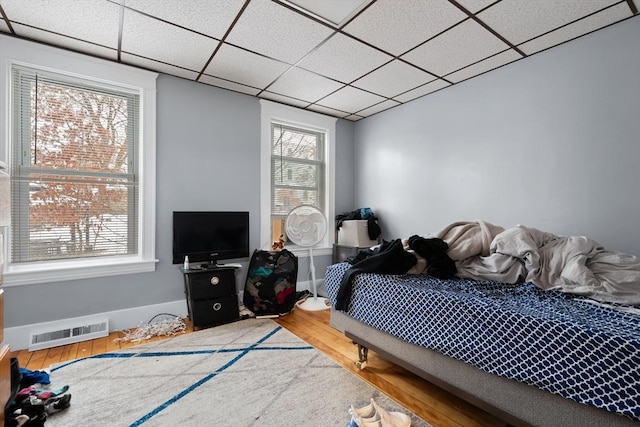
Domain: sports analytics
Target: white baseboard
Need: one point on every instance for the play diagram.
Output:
(18, 337)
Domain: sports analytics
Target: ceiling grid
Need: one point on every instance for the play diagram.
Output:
(349, 59)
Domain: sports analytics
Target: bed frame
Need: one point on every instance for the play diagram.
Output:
(516, 403)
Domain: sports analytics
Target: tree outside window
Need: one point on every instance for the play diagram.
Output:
(74, 173)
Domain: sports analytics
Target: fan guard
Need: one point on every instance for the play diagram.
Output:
(306, 226)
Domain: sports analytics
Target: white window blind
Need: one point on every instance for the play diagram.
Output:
(297, 170)
(73, 169)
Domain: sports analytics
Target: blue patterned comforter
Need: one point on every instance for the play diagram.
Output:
(554, 341)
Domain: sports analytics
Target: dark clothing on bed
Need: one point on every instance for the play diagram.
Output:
(434, 251)
(390, 258)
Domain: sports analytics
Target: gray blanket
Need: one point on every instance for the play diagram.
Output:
(573, 264)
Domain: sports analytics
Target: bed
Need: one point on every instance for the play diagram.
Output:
(529, 354)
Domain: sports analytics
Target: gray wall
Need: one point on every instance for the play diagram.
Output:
(208, 158)
(551, 141)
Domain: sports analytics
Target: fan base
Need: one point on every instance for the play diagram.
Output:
(314, 304)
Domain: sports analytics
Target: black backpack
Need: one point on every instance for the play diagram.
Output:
(270, 288)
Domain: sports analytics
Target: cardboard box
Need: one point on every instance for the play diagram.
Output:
(355, 233)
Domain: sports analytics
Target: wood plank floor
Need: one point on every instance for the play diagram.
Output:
(429, 402)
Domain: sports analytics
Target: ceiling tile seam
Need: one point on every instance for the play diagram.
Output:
(498, 35)
(378, 103)
(573, 22)
(632, 6)
(167, 22)
(433, 37)
(295, 65)
(418, 87)
(360, 12)
(480, 60)
(61, 35)
(120, 29)
(6, 20)
(156, 60)
(224, 37)
(435, 76)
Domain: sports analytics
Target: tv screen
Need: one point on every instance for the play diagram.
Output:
(210, 236)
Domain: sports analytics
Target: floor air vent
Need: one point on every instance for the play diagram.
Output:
(68, 332)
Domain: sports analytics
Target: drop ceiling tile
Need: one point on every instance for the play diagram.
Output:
(4, 28)
(350, 99)
(483, 66)
(283, 99)
(474, 6)
(397, 26)
(305, 85)
(151, 38)
(571, 31)
(519, 21)
(385, 105)
(344, 59)
(327, 111)
(393, 78)
(159, 67)
(95, 21)
(334, 12)
(214, 81)
(354, 117)
(65, 42)
(422, 90)
(238, 65)
(275, 31)
(470, 42)
(204, 16)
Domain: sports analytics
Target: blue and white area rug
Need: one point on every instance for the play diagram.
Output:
(247, 373)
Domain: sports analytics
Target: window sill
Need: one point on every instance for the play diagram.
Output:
(73, 270)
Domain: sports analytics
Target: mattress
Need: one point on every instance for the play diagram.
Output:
(554, 341)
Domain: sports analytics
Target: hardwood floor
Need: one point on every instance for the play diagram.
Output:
(429, 402)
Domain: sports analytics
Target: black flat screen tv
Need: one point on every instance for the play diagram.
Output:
(207, 236)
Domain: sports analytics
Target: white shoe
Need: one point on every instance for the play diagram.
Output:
(373, 415)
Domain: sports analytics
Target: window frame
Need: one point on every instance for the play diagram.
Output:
(48, 59)
(272, 112)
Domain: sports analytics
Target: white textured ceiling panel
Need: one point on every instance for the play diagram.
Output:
(483, 66)
(385, 105)
(305, 85)
(140, 36)
(576, 29)
(393, 79)
(519, 21)
(95, 21)
(350, 100)
(474, 6)
(397, 26)
(273, 30)
(158, 66)
(204, 16)
(283, 99)
(66, 42)
(238, 65)
(225, 84)
(326, 110)
(469, 40)
(387, 52)
(334, 11)
(422, 90)
(343, 59)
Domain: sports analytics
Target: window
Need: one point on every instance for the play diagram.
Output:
(79, 191)
(297, 165)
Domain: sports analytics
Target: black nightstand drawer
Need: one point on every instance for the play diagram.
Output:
(214, 311)
(212, 284)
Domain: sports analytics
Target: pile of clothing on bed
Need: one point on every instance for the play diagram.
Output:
(483, 251)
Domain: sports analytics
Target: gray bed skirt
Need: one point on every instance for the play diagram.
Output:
(517, 403)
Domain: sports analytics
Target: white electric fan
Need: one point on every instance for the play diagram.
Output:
(306, 226)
